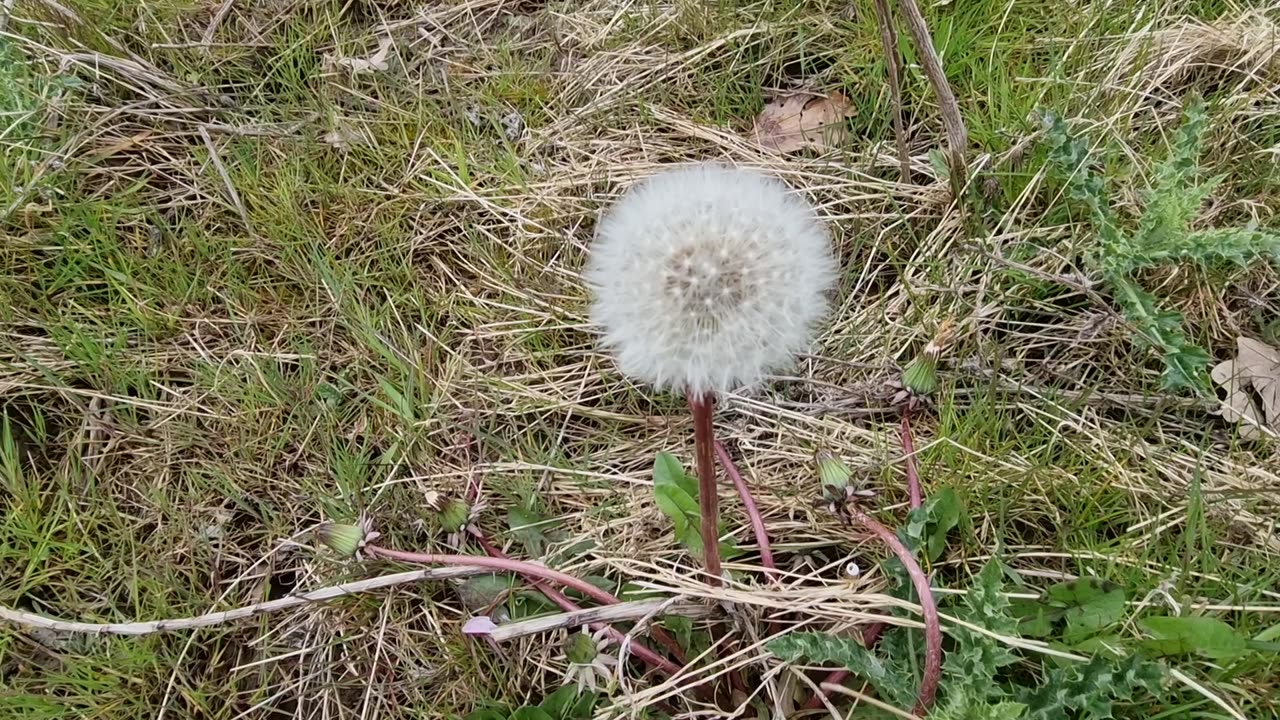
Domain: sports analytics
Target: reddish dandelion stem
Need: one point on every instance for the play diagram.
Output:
(753, 513)
(928, 608)
(527, 569)
(871, 634)
(708, 500)
(640, 650)
(909, 459)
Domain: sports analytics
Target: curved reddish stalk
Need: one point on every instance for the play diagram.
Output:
(516, 566)
(928, 608)
(753, 513)
(871, 634)
(529, 570)
(909, 448)
(559, 598)
(708, 500)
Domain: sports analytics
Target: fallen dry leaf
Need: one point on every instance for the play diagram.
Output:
(374, 62)
(794, 122)
(1252, 383)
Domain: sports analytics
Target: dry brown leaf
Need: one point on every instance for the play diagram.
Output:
(794, 122)
(373, 63)
(1257, 369)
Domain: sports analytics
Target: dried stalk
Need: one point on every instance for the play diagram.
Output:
(32, 620)
(893, 64)
(909, 459)
(621, 612)
(520, 567)
(957, 136)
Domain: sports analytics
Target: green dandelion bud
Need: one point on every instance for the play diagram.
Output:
(454, 514)
(833, 473)
(921, 376)
(346, 540)
(581, 649)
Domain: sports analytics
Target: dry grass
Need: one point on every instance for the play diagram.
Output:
(246, 289)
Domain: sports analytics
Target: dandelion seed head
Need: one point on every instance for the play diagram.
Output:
(706, 277)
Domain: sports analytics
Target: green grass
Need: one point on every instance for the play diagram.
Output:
(189, 382)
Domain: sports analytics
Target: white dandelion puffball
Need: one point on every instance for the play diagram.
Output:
(706, 277)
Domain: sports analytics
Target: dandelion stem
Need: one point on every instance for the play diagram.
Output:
(871, 633)
(753, 513)
(516, 566)
(708, 500)
(928, 608)
(909, 459)
(639, 649)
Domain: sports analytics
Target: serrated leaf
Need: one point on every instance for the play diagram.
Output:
(828, 649)
(1086, 691)
(1002, 711)
(1205, 636)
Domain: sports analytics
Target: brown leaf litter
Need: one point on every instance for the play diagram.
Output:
(803, 120)
(1252, 382)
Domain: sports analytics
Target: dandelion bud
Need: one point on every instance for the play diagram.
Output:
(454, 514)
(921, 376)
(833, 473)
(581, 649)
(346, 540)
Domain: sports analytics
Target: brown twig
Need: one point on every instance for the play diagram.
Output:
(871, 633)
(893, 63)
(957, 136)
(708, 500)
(928, 609)
(22, 618)
(753, 512)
